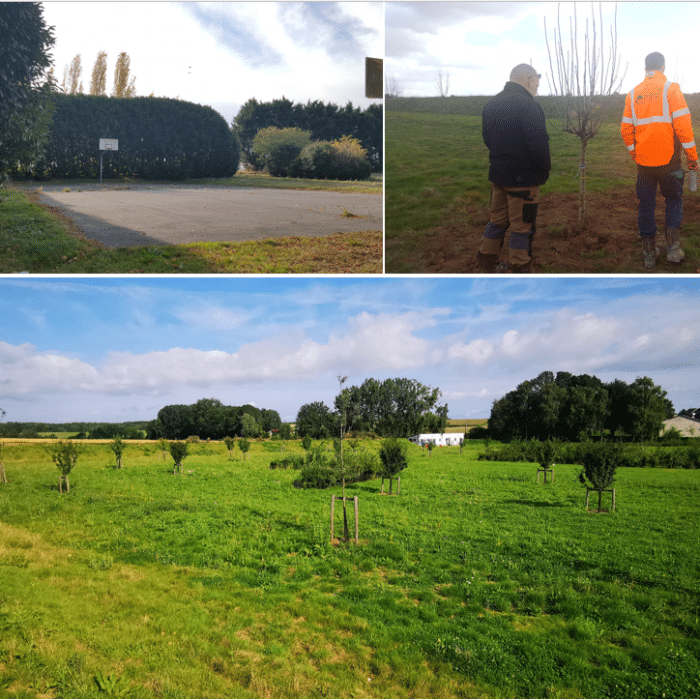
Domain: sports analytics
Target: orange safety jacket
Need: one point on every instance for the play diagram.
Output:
(655, 116)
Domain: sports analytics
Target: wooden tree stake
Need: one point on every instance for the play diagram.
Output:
(600, 497)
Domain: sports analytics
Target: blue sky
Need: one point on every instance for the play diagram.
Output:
(478, 43)
(116, 349)
(221, 54)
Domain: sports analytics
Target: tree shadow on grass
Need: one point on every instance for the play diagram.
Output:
(536, 504)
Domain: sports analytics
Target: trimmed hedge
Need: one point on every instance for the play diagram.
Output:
(575, 453)
(159, 138)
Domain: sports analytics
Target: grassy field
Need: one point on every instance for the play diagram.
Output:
(474, 582)
(39, 239)
(437, 196)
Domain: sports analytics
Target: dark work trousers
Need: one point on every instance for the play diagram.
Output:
(514, 209)
(671, 187)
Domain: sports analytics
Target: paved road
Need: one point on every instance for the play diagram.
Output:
(170, 214)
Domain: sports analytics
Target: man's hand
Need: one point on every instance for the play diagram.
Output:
(692, 165)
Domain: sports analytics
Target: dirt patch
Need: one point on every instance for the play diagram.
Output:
(607, 242)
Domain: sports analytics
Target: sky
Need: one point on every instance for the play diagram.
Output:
(119, 349)
(221, 54)
(478, 43)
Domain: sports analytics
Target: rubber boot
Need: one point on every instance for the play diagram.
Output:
(650, 252)
(674, 252)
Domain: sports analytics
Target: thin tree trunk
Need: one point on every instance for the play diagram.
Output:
(582, 185)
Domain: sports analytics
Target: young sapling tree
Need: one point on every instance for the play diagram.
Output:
(394, 460)
(230, 445)
(178, 451)
(64, 454)
(244, 446)
(600, 461)
(117, 447)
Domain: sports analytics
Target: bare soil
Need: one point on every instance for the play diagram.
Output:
(607, 242)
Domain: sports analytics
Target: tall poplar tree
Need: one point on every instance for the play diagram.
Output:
(122, 86)
(98, 82)
(71, 76)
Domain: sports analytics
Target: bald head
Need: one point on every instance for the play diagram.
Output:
(526, 76)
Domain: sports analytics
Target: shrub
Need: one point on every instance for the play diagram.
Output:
(178, 451)
(344, 159)
(600, 461)
(351, 159)
(393, 457)
(548, 453)
(316, 161)
(290, 462)
(275, 149)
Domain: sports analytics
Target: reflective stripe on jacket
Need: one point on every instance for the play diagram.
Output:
(655, 115)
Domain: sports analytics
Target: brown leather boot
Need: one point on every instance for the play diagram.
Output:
(487, 262)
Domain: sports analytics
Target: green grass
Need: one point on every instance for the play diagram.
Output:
(474, 582)
(38, 239)
(437, 162)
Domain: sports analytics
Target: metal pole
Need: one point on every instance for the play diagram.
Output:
(101, 156)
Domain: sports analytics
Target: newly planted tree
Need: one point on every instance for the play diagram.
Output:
(600, 461)
(585, 83)
(178, 451)
(230, 445)
(64, 454)
(117, 446)
(244, 446)
(394, 460)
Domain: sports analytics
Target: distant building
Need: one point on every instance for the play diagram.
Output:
(439, 439)
(687, 427)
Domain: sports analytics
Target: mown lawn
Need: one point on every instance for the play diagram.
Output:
(476, 581)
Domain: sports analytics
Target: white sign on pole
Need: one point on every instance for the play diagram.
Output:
(109, 144)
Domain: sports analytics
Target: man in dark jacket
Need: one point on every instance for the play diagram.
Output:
(515, 133)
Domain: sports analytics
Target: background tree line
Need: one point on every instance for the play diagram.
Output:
(390, 408)
(210, 419)
(574, 407)
(326, 122)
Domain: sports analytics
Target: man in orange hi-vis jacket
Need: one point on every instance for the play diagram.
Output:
(656, 129)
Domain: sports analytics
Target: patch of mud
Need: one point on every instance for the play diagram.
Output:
(608, 242)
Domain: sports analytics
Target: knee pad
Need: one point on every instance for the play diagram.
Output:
(494, 232)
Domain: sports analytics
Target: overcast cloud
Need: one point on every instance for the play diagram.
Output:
(478, 43)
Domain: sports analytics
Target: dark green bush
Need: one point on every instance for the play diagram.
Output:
(275, 150)
(159, 138)
(600, 461)
(393, 457)
(344, 159)
(316, 162)
(289, 462)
